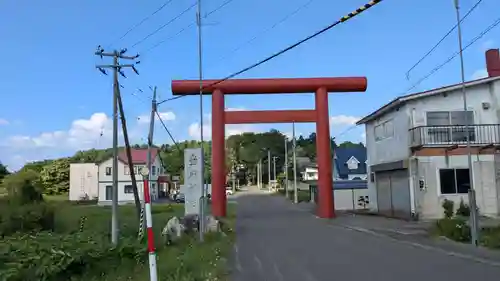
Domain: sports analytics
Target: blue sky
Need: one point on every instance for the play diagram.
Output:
(55, 102)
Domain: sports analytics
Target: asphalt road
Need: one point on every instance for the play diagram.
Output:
(277, 240)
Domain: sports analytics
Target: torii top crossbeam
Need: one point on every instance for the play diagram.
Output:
(270, 86)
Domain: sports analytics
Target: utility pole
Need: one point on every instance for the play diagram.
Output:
(137, 200)
(116, 69)
(200, 74)
(259, 172)
(269, 169)
(286, 167)
(150, 136)
(274, 166)
(295, 193)
(472, 195)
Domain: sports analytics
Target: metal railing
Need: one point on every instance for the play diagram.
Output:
(483, 134)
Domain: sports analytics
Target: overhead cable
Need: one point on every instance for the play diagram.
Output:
(293, 46)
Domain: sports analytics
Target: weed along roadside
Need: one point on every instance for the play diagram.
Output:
(455, 226)
(58, 240)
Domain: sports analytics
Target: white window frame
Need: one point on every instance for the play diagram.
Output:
(386, 130)
(447, 129)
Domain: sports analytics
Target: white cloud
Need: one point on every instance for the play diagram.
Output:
(165, 116)
(343, 120)
(194, 128)
(83, 134)
(487, 44)
(480, 73)
(235, 109)
(4, 122)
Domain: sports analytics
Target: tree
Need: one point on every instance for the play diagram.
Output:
(55, 177)
(23, 187)
(349, 144)
(3, 171)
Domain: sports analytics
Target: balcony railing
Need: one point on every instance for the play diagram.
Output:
(454, 135)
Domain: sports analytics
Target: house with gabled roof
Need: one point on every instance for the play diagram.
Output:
(349, 163)
(125, 191)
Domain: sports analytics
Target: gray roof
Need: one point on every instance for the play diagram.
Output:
(401, 100)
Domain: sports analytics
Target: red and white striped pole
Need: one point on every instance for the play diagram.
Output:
(153, 276)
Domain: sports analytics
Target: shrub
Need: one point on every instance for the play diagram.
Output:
(50, 257)
(25, 218)
(463, 209)
(454, 228)
(490, 237)
(448, 207)
(23, 187)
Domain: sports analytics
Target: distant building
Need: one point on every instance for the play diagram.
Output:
(83, 181)
(96, 180)
(349, 164)
(125, 191)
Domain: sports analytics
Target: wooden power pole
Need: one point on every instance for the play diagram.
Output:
(117, 69)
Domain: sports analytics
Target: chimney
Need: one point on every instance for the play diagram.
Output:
(493, 62)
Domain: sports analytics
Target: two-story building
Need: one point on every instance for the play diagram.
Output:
(125, 190)
(417, 151)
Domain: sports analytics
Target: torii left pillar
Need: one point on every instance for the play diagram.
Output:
(319, 115)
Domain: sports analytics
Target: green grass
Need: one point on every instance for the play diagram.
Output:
(186, 260)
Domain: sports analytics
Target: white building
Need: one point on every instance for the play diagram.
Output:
(125, 191)
(417, 151)
(83, 179)
(92, 180)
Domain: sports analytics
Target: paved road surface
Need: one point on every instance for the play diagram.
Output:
(277, 240)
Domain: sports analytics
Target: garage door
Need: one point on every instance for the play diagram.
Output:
(384, 194)
(393, 193)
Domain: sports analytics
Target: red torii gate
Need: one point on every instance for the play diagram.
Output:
(220, 117)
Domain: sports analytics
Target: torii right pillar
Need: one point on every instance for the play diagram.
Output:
(324, 156)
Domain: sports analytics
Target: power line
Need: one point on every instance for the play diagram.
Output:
(165, 25)
(142, 21)
(341, 20)
(282, 20)
(442, 39)
(474, 40)
(168, 131)
(225, 3)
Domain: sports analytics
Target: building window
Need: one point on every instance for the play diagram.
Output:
(109, 192)
(137, 169)
(153, 188)
(127, 170)
(108, 171)
(153, 170)
(128, 189)
(449, 126)
(454, 181)
(384, 130)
